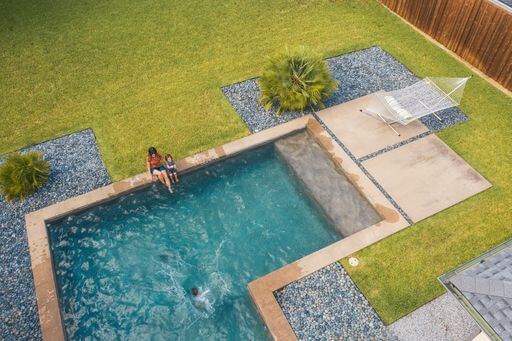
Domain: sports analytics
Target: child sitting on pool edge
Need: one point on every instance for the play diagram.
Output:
(170, 165)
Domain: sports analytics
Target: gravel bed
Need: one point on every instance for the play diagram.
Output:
(359, 73)
(442, 319)
(327, 305)
(77, 168)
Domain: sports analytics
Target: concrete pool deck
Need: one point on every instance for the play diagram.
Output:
(363, 134)
(425, 177)
(262, 290)
(402, 165)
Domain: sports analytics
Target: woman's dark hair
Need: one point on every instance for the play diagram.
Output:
(152, 150)
(195, 291)
(169, 156)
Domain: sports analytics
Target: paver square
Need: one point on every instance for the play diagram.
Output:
(361, 133)
(425, 177)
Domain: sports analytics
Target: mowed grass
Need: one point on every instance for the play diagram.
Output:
(149, 72)
(143, 73)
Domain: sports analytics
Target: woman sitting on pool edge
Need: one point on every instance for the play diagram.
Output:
(156, 169)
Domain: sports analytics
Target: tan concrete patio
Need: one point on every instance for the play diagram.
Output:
(425, 177)
(361, 133)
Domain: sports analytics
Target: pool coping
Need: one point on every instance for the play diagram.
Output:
(262, 289)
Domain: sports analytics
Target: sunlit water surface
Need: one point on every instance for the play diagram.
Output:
(125, 269)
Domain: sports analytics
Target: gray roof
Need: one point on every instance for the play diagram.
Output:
(507, 3)
(484, 287)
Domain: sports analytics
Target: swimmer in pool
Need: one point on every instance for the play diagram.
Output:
(200, 299)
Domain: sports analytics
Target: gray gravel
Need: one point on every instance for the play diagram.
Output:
(360, 73)
(76, 169)
(441, 319)
(327, 305)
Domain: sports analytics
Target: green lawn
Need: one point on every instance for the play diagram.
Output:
(144, 73)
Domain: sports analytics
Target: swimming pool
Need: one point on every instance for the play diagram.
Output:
(124, 269)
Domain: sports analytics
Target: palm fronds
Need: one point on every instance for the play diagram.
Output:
(22, 174)
(294, 80)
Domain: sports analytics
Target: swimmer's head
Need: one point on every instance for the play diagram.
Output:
(195, 291)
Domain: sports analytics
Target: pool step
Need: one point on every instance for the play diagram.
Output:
(340, 200)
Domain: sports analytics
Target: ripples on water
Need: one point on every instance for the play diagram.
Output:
(125, 269)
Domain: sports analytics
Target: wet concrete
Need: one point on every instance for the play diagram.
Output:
(349, 211)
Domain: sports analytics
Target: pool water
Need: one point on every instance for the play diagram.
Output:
(124, 269)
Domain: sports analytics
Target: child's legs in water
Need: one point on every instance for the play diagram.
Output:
(170, 176)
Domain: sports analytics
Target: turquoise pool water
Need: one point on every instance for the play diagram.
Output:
(125, 269)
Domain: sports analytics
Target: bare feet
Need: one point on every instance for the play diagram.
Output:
(170, 189)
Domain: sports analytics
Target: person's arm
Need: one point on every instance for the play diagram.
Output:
(150, 176)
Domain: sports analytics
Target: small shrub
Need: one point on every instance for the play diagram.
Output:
(294, 80)
(22, 174)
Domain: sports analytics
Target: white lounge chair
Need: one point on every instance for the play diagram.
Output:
(424, 97)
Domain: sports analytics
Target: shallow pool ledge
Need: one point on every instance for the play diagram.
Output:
(37, 235)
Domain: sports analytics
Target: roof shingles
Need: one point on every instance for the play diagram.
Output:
(488, 287)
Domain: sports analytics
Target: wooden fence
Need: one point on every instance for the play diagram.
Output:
(479, 31)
